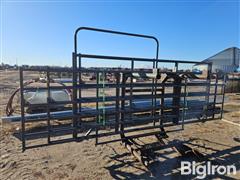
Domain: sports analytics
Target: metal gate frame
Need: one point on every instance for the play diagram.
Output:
(120, 87)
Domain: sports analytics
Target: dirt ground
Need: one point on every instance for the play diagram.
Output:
(217, 140)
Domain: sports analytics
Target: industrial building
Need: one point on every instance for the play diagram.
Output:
(226, 61)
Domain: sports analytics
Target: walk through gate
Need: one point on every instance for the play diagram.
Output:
(124, 106)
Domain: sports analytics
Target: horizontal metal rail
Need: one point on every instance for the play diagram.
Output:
(104, 134)
(91, 112)
(91, 56)
(111, 85)
(116, 33)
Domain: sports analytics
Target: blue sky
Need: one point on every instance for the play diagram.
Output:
(41, 32)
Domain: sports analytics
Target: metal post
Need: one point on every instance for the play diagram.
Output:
(48, 108)
(79, 89)
(103, 98)
(176, 67)
(22, 109)
(208, 89)
(184, 102)
(131, 88)
(215, 95)
(177, 98)
(162, 105)
(223, 94)
(155, 91)
(117, 102)
(124, 79)
(74, 100)
(102, 94)
(97, 105)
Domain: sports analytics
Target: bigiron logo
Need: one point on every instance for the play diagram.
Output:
(202, 170)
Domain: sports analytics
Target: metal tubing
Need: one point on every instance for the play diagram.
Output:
(176, 66)
(62, 69)
(120, 110)
(94, 86)
(124, 79)
(22, 110)
(131, 86)
(113, 133)
(114, 32)
(162, 103)
(153, 96)
(155, 90)
(143, 97)
(48, 108)
(177, 99)
(215, 96)
(208, 89)
(74, 99)
(97, 105)
(184, 103)
(124, 58)
(117, 115)
(79, 88)
(223, 94)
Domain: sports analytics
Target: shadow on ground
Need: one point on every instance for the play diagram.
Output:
(168, 165)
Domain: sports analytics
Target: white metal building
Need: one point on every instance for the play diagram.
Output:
(227, 61)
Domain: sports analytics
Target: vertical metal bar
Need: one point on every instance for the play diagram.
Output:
(117, 102)
(176, 99)
(162, 104)
(103, 98)
(157, 54)
(97, 105)
(48, 108)
(131, 88)
(102, 93)
(74, 101)
(215, 95)
(22, 109)
(177, 91)
(184, 103)
(79, 89)
(223, 94)
(153, 92)
(176, 67)
(124, 79)
(156, 66)
(208, 89)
